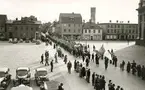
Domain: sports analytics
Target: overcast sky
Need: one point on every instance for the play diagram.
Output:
(49, 10)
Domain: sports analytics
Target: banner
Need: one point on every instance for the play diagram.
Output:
(102, 50)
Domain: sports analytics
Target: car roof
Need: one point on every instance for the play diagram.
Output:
(41, 69)
(4, 69)
(22, 68)
(22, 87)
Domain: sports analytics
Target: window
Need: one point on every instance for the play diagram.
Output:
(98, 31)
(108, 30)
(79, 30)
(16, 28)
(114, 30)
(69, 30)
(94, 31)
(89, 31)
(132, 31)
(85, 30)
(64, 30)
(69, 25)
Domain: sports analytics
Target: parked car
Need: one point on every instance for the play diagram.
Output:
(38, 42)
(5, 78)
(27, 40)
(22, 76)
(41, 75)
(22, 87)
(21, 40)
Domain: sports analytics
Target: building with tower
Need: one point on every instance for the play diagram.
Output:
(93, 14)
(141, 23)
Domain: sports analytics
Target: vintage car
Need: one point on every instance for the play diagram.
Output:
(15, 41)
(5, 78)
(22, 76)
(41, 75)
(22, 87)
(10, 40)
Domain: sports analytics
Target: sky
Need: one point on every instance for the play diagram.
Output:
(49, 10)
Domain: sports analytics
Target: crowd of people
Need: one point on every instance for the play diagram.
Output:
(98, 81)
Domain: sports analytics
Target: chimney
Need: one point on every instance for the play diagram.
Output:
(116, 21)
(110, 21)
(16, 19)
(128, 21)
(72, 12)
(97, 22)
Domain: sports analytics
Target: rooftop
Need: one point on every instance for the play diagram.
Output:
(90, 25)
(4, 69)
(119, 23)
(23, 68)
(41, 69)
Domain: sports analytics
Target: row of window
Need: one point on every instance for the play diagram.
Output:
(22, 28)
(122, 26)
(121, 31)
(121, 37)
(92, 31)
(69, 30)
(74, 25)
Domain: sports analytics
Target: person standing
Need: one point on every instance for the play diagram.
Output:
(75, 65)
(128, 67)
(88, 75)
(87, 61)
(93, 78)
(69, 66)
(106, 63)
(83, 57)
(143, 72)
(51, 64)
(97, 59)
(42, 59)
(93, 57)
(109, 85)
(60, 87)
(46, 61)
(56, 61)
(138, 70)
(65, 59)
(115, 61)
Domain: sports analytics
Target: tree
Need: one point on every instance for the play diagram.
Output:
(45, 27)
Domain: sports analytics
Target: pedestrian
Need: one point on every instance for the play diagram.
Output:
(139, 70)
(83, 71)
(54, 46)
(93, 57)
(60, 87)
(112, 87)
(143, 72)
(69, 66)
(121, 89)
(87, 61)
(128, 67)
(97, 85)
(106, 63)
(80, 68)
(122, 65)
(83, 57)
(42, 59)
(109, 85)
(97, 59)
(65, 59)
(93, 78)
(75, 65)
(103, 82)
(118, 88)
(46, 61)
(51, 64)
(93, 48)
(115, 61)
(56, 61)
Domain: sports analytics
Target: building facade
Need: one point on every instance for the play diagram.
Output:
(119, 31)
(70, 25)
(3, 19)
(92, 31)
(141, 23)
(26, 28)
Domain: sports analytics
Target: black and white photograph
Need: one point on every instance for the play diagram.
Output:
(72, 44)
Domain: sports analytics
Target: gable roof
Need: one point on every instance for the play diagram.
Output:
(89, 25)
(70, 18)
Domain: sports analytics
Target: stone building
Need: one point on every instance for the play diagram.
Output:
(141, 23)
(70, 25)
(26, 28)
(119, 31)
(92, 31)
(3, 19)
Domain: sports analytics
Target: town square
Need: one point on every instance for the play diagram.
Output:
(68, 51)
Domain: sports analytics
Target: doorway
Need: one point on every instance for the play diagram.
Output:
(91, 37)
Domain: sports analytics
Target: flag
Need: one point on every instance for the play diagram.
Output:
(102, 50)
